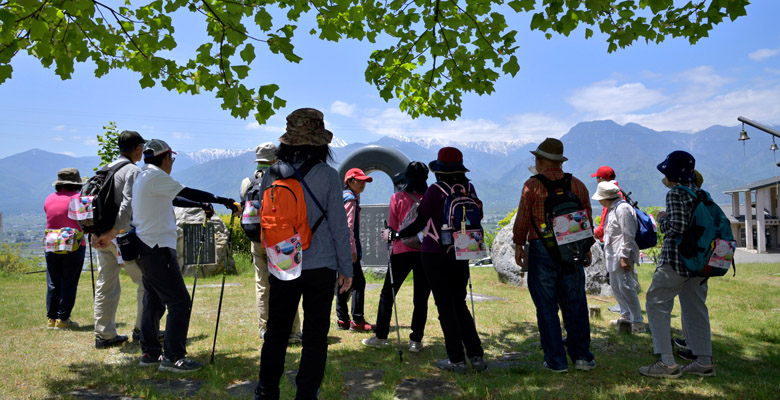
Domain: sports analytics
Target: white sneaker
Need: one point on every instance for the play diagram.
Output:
(374, 341)
(415, 347)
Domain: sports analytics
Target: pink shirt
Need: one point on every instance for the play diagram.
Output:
(400, 204)
(56, 208)
(351, 208)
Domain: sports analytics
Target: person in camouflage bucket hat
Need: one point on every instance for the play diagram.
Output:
(305, 126)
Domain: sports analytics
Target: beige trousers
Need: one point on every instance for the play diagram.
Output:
(108, 290)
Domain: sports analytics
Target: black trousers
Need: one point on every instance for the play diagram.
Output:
(358, 293)
(315, 286)
(165, 289)
(448, 278)
(62, 280)
(401, 265)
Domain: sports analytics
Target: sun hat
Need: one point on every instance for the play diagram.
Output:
(550, 149)
(604, 172)
(357, 173)
(305, 126)
(448, 161)
(265, 153)
(156, 147)
(606, 191)
(68, 176)
(130, 139)
(678, 167)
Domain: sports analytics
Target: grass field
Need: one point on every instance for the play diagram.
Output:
(745, 313)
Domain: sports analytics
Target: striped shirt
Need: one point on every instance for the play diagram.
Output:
(679, 208)
(532, 204)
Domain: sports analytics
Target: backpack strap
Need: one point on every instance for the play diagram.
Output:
(414, 198)
(439, 186)
(300, 174)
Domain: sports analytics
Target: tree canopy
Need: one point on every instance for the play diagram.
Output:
(439, 49)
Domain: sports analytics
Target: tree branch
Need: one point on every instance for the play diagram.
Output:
(224, 25)
(476, 25)
(435, 22)
(449, 50)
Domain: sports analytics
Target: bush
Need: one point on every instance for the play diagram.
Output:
(13, 262)
(238, 238)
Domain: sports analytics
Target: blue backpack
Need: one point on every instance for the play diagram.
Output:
(646, 236)
(707, 246)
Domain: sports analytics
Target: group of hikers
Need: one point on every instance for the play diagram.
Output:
(303, 221)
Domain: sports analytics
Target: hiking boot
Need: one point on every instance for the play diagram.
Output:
(478, 363)
(638, 327)
(681, 343)
(660, 370)
(51, 323)
(445, 364)
(686, 355)
(150, 361)
(557, 371)
(343, 325)
(585, 365)
(415, 347)
(374, 341)
(106, 343)
(361, 326)
(66, 324)
(295, 338)
(698, 369)
(180, 365)
(137, 335)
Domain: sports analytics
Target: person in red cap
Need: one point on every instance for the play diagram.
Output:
(354, 183)
(603, 174)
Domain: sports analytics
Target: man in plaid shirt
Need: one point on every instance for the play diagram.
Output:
(548, 282)
(672, 278)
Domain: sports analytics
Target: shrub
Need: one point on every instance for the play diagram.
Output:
(238, 238)
(13, 262)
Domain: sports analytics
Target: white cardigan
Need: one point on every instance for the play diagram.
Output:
(619, 235)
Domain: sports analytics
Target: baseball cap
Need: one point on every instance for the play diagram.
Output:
(357, 173)
(156, 147)
(265, 153)
(604, 172)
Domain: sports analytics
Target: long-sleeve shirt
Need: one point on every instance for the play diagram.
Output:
(123, 192)
(679, 208)
(532, 204)
(598, 232)
(329, 245)
(620, 235)
(352, 208)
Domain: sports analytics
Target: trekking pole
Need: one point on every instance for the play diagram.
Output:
(197, 272)
(91, 266)
(222, 291)
(392, 288)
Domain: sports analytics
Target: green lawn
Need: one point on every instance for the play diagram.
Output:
(745, 314)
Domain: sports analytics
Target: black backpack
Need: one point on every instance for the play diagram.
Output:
(98, 195)
(568, 235)
(250, 216)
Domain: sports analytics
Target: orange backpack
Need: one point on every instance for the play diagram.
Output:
(283, 213)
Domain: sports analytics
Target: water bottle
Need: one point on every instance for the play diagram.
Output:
(547, 236)
(446, 235)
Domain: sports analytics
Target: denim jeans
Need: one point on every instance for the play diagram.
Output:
(62, 279)
(447, 278)
(316, 288)
(164, 288)
(550, 288)
(358, 292)
(402, 264)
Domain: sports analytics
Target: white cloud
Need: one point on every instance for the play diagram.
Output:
(68, 153)
(761, 54)
(607, 98)
(702, 83)
(59, 128)
(181, 135)
(58, 139)
(254, 126)
(90, 142)
(75, 138)
(342, 108)
(390, 121)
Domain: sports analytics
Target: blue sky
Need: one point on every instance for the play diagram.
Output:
(562, 81)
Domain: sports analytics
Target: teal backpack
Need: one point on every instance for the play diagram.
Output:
(707, 246)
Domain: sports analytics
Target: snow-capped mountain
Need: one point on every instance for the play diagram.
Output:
(504, 147)
(338, 142)
(206, 155)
